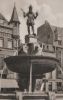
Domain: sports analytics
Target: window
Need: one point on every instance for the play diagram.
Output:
(47, 47)
(43, 47)
(15, 43)
(59, 55)
(59, 42)
(53, 48)
(1, 21)
(59, 86)
(38, 84)
(10, 44)
(1, 65)
(56, 34)
(50, 86)
(1, 62)
(1, 42)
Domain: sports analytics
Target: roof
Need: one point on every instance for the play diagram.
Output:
(9, 83)
(46, 29)
(45, 33)
(2, 17)
(14, 17)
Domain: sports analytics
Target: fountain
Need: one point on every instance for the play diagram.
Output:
(30, 66)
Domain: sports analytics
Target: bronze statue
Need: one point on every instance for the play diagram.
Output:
(30, 19)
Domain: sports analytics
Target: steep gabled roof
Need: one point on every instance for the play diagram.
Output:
(14, 17)
(46, 29)
(45, 33)
(2, 17)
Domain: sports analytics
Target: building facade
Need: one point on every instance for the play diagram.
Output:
(51, 38)
(9, 42)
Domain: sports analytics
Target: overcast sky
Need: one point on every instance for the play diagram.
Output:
(51, 10)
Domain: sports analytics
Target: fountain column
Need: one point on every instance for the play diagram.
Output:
(47, 85)
(30, 40)
(54, 87)
(30, 84)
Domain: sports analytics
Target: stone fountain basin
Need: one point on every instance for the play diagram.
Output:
(40, 64)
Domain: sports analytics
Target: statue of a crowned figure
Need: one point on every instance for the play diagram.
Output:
(31, 16)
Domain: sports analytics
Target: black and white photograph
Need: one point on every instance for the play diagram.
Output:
(31, 49)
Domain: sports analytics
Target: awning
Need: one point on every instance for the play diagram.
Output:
(8, 83)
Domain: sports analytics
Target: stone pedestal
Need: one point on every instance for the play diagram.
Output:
(54, 87)
(30, 39)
